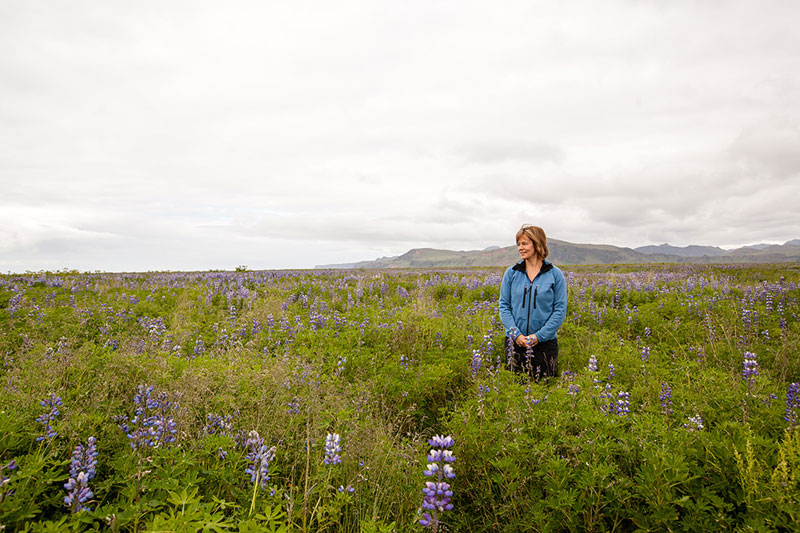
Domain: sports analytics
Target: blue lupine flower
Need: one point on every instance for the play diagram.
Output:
(259, 458)
(199, 348)
(792, 415)
(750, 370)
(438, 493)
(340, 365)
(293, 406)
(607, 400)
(332, 449)
(151, 426)
(52, 401)
(592, 363)
(219, 425)
(623, 404)
(476, 362)
(666, 398)
(82, 469)
(695, 423)
(4, 480)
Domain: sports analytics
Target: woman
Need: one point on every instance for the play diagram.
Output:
(533, 304)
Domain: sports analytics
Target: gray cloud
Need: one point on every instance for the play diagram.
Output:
(770, 149)
(291, 135)
(501, 152)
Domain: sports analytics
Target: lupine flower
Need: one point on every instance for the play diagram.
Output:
(573, 389)
(82, 469)
(701, 353)
(695, 423)
(792, 415)
(52, 401)
(666, 398)
(199, 347)
(510, 348)
(611, 370)
(4, 480)
(768, 400)
(750, 370)
(340, 365)
(607, 400)
(349, 489)
(645, 353)
(332, 449)
(259, 458)
(219, 425)
(592, 363)
(623, 405)
(476, 362)
(152, 426)
(294, 406)
(437, 493)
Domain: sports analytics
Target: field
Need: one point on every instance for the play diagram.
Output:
(305, 401)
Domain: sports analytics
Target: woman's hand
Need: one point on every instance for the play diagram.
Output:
(525, 341)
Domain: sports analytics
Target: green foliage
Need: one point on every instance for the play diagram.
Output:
(386, 360)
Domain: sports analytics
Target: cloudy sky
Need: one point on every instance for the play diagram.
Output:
(191, 135)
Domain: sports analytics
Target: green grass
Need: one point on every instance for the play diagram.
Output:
(297, 355)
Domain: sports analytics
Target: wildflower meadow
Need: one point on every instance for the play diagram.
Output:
(380, 400)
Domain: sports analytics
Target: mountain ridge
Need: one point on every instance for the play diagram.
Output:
(567, 253)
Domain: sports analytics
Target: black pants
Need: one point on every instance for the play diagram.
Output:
(539, 361)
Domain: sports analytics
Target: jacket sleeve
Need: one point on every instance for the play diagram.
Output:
(550, 328)
(504, 303)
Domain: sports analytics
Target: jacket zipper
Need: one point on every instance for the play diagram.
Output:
(528, 325)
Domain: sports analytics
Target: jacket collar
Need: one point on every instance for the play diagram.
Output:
(520, 266)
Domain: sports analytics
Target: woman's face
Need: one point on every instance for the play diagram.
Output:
(525, 248)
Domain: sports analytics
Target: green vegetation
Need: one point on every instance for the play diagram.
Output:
(188, 380)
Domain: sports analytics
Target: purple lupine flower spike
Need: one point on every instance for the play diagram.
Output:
(259, 457)
(438, 493)
(82, 469)
(792, 415)
(52, 401)
(332, 449)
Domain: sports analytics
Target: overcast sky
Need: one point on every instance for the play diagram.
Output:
(191, 135)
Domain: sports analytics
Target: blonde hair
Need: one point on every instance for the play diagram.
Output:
(537, 237)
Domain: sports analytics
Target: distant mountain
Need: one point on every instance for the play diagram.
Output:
(685, 251)
(567, 253)
(756, 246)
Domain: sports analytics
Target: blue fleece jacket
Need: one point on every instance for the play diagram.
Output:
(533, 307)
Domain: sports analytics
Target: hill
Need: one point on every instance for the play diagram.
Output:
(567, 253)
(685, 251)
